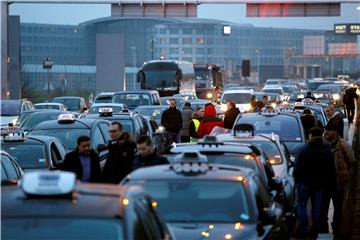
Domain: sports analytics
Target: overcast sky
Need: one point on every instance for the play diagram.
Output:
(74, 14)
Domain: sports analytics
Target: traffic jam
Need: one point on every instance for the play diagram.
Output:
(218, 161)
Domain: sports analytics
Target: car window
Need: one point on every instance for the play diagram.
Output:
(62, 149)
(97, 138)
(3, 173)
(9, 167)
(55, 154)
(105, 131)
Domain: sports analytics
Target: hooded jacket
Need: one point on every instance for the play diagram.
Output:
(209, 122)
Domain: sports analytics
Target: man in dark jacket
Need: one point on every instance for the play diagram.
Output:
(314, 171)
(335, 119)
(230, 115)
(147, 154)
(172, 121)
(186, 115)
(309, 121)
(348, 99)
(121, 154)
(209, 121)
(83, 161)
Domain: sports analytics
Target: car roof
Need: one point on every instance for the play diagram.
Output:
(78, 123)
(153, 106)
(137, 91)
(248, 91)
(108, 104)
(47, 103)
(69, 97)
(31, 139)
(218, 173)
(95, 200)
(114, 116)
(238, 148)
(257, 137)
(104, 94)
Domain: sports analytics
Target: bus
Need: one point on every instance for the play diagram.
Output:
(168, 77)
(207, 78)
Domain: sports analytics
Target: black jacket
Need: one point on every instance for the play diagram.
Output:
(338, 122)
(171, 120)
(120, 159)
(152, 160)
(230, 117)
(73, 164)
(309, 121)
(315, 166)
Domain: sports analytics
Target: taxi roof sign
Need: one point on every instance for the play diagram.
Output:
(41, 183)
(190, 163)
(105, 111)
(12, 134)
(66, 118)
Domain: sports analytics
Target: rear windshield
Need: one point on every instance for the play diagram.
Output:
(273, 90)
(132, 99)
(104, 99)
(34, 119)
(47, 107)
(71, 104)
(10, 108)
(238, 98)
(287, 127)
(28, 156)
(61, 228)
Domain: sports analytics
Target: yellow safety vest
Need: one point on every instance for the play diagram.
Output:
(196, 124)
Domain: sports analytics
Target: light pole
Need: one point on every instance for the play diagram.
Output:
(258, 64)
(47, 64)
(134, 66)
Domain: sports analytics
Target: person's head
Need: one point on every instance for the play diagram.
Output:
(172, 103)
(315, 133)
(230, 105)
(187, 105)
(330, 111)
(331, 133)
(265, 99)
(306, 111)
(252, 98)
(144, 146)
(84, 145)
(308, 94)
(115, 130)
(200, 112)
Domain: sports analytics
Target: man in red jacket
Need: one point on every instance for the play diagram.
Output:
(209, 121)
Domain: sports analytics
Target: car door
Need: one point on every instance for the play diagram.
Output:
(98, 139)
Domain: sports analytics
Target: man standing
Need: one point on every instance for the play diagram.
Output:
(335, 119)
(264, 101)
(314, 171)
(309, 121)
(121, 155)
(186, 115)
(209, 121)
(83, 161)
(344, 162)
(230, 115)
(147, 154)
(195, 123)
(171, 120)
(348, 99)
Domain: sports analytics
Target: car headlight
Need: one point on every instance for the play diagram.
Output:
(223, 108)
(247, 108)
(273, 105)
(336, 96)
(209, 95)
(13, 122)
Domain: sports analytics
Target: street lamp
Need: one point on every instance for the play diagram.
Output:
(258, 64)
(47, 64)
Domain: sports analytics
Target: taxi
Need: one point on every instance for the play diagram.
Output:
(116, 107)
(51, 205)
(285, 124)
(33, 152)
(201, 200)
(278, 156)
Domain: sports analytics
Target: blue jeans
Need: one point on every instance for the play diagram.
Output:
(304, 193)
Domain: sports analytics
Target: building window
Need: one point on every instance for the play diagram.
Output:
(187, 51)
(163, 31)
(200, 50)
(187, 40)
(163, 41)
(173, 51)
(187, 31)
(210, 51)
(174, 31)
(174, 41)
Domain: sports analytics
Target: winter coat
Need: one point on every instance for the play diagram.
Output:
(171, 120)
(230, 117)
(186, 115)
(120, 159)
(344, 161)
(152, 160)
(309, 121)
(209, 122)
(72, 163)
(314, 166)
(338, 122)
(356, 138)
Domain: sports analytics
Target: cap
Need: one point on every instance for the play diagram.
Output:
(316, 132)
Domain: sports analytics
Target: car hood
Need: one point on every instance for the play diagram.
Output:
(5, 120)
(243, 107)
(219, 231)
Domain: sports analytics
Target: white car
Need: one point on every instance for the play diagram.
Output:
(274, 89)
(240, 97)
(273, 82)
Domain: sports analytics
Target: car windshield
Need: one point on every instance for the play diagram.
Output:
(68, 228)
(330, 88)
(127, 124)
(151, 112)
(132, 99)
(29, 156)
(315, 85)
(271, 97)
(103, 99)
(273, 90)
(95, 109)
(34, 119)
(196, 201)
(271, 150)
(238, 98)
(68, 136)
(47, 106)
(202, 73)
(23, 116)
(71, 104)
(287, 127)
(10, 107)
